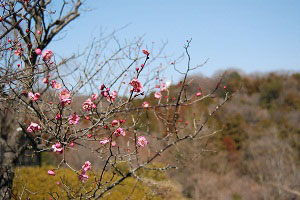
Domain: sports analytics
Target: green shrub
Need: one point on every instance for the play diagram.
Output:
(236, 196)
(270, 90)
(35, 183)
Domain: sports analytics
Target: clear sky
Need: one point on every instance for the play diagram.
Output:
(251, 35)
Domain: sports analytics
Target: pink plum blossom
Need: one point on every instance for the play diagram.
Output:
(65, 102)
(142, 141)
(57, 86)
(38, 51)
(58, 116)
(74, 119)
(18, 52)
(57, 148)
(157, 95)
(104, 93)
(87, 166)
(64, 97)
(53, 83)
(112, 96)
(102, 87)
(72, 144)
(64, 94)
(95, 97)
(113, 143)
(104, 141)
(51, 172)
(136, 84)
(145, 104)
(119, 131)
(45, 80)
(34, 97)
(57, 145)
(114, 122)
(163, 87)
(198, 94)
(47, 55)
(88, 105)
(33, 127)
(83, 176)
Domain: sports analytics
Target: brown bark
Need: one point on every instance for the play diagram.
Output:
(9, 150)
(6, 175)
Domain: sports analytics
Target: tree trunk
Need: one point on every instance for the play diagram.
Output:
(9, 149)
(6, 175)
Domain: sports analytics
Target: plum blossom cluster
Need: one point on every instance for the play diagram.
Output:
(137, 85)
(119, 131)
(64, 97)
(47, 55)
(142, 141)
(34, 97)
(16, 46)
(163, 87)
(57, 147)
(88, 105)
(106, 141)
(74, 119)
(33, 127)
(117, 122)
(86, 167)
(18, 51)
(110, 95)
(55, 85)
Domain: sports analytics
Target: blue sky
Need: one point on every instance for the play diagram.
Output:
(251, 35)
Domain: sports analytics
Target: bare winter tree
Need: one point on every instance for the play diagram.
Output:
(38, 95)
